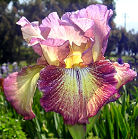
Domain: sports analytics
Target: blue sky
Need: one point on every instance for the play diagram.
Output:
(130, 8)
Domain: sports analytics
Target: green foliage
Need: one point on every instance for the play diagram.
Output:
(10, 127)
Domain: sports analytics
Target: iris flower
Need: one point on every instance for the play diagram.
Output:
(72, 72)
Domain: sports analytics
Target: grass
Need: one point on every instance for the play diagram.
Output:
(117, 120)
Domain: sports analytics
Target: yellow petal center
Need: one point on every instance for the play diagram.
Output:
(73, 60)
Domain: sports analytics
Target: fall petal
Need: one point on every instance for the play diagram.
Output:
(19, 88)
(78, 93)
(124, 74)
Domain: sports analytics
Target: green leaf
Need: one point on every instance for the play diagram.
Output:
(58, 124)
(124, 102)
(121, 122)
(110, 124)
(92, 121)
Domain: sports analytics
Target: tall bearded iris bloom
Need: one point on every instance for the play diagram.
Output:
(75, 78)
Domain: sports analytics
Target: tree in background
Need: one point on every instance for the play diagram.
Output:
(9, 39)
(133, 45)
(11, 43)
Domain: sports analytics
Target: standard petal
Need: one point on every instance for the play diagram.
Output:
(79, 55)
(37, 48)
(77, 94)
(100, 15)
(79, 19)
(87, 54)
(19, 88)
(61, 30)
(30, 30)
(42, 61)
(56, 31)
(55, 51)
(93, 21)
(124, 74)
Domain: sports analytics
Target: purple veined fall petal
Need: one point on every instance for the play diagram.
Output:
(77, 93)
(115, 97)
(19, 89)
(124, 74)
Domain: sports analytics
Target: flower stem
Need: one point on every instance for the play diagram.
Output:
(77, 131)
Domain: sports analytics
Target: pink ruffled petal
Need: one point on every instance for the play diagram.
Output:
(45, 31)
(77, 94)
(30, 30)
(124, 74)
(79, 19)
(51, 20)
(93, 21)
(19, 88)
(23, 21)
(56, 31)
(61, 30)
(100, 15)
(74, 35)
